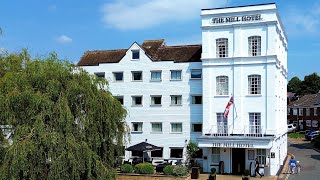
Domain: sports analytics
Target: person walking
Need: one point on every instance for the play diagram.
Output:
(298, 167)
(257, 167)
(292, 164)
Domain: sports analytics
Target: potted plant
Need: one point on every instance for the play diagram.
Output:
(246, 175)
(213, 174)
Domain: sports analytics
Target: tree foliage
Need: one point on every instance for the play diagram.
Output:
(310, 84)
(64, 124)
(192, 149)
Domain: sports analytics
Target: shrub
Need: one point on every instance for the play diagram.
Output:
(147, 168)
(126, 168)
(137, 168)
(317, 142)
(180, 171)
(168, 170)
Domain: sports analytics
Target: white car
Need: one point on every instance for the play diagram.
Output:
(291, 128)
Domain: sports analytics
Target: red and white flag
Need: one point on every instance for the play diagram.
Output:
(226, 111)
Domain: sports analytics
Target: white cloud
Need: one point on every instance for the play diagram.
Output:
(303, 20)
(63, 39)
(134, 14)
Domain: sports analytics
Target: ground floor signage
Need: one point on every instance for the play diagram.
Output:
(233, 145)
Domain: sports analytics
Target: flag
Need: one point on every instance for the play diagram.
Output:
(226, 111)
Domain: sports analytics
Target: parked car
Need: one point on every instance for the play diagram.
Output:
(311, 135)
(291, 128)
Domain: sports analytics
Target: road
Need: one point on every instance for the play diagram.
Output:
(309, 160)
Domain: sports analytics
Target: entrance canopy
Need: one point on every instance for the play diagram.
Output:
(143, 146)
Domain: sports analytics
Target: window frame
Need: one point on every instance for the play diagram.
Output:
(315, 111)
(180, 148)
(300, 111)
(254, 46)
(194, 100)
(134, 101)
(192, 70)
(138, 123)
(193, 129)
(155, 157)
(171, 71)
(254, 84)
(152, 102)
(97, 74)
(222, 88)
(133, 52)
(176, 132)
(294, 111)
(120, 97)
(156, 132)
(222, 49)
(177, 100)
(262, 156)
(132, 74)
(308, 112)
(156, 71)
(114, 76)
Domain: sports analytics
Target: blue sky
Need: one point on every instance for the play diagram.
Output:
(72, 27)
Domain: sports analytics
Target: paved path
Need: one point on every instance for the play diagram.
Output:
(308, 157)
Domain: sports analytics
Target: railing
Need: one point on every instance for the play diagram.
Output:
(220, 130)
(226, 130)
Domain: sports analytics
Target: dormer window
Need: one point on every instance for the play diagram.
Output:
(135, 54)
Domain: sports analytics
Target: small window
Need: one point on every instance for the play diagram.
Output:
(222, 47)
(196, 74)
(137, 75)
(254, 45)
(120, 99)
(118, 76)
(137, 127)
(307, 111)
(176, 75)
(315, 112)
(254, 84)
(288, 111)
(176, 127)
(100, 75)
(300, 111)
(176, 152)
(222, 85)
(135, 54)
(137, 100)
(176, 100)
(196, 99)
(155, 75)
(294, 111)
(215, 156)
(196, 127)
(261, 155)
(156, 100)
(157, 153)
(156, 127)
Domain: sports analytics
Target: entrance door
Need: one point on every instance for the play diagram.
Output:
(238, 161)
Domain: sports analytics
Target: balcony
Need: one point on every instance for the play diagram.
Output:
(227, 130)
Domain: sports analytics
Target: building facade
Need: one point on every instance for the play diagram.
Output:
(178, 94)
(305, 112)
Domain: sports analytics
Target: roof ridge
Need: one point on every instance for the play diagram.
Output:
(176, 46)
(105, 50)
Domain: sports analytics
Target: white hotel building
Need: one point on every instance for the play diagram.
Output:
(177, 94)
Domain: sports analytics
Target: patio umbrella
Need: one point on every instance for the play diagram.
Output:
(143, 147)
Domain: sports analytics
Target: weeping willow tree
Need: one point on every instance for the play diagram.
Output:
(63, 124)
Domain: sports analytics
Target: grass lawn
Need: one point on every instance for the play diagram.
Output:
(295, 135)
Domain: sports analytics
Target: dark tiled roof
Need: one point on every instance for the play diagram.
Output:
(308, 100)
(155, 49)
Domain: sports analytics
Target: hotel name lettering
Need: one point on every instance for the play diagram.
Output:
(233, 145)
(255, 17)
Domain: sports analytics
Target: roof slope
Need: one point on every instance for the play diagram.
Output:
(308, 100)
(156, 49)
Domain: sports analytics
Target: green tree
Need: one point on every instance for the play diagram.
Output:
(64, 124)
(294, 85)
(192, 149)
(311, 84)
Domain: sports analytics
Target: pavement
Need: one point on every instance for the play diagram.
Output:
(309, 158)
(233, 177)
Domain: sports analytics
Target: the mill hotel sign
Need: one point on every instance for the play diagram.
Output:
(255, 17)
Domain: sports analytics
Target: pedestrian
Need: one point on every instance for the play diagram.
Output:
(292, 164)
(298, 167)
(257, 167)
